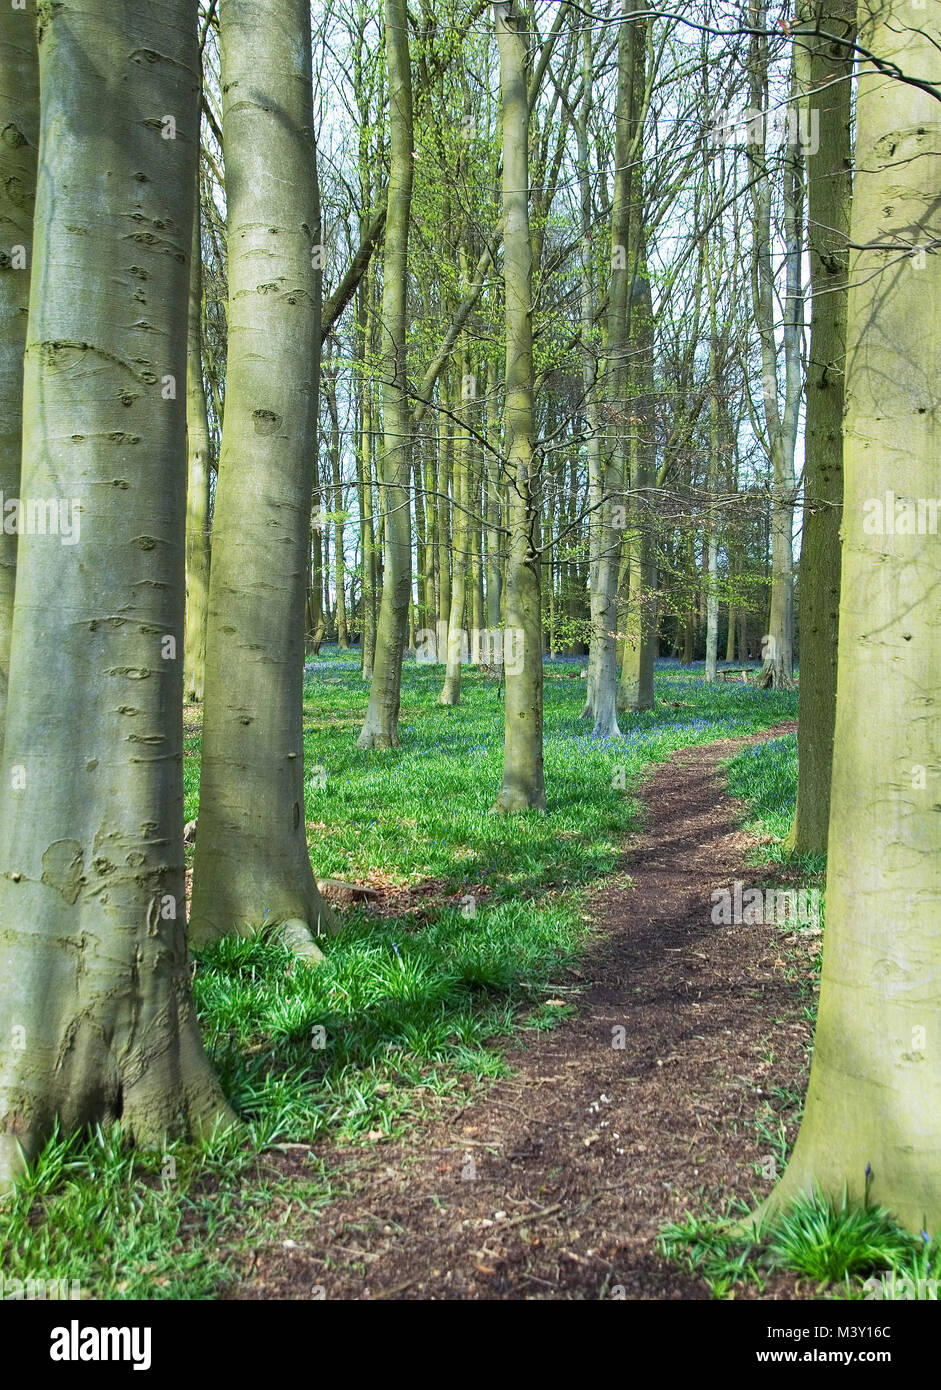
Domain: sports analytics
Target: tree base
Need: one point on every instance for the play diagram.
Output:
(380, 739)
(800, 841)
(298, 938)
(177, 1098)
(774, 677)
(513, 803)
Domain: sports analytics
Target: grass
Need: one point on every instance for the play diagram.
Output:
(765, 776)
(408, 1008)
(115, 1222)
(832, 1242)
(849, 1252)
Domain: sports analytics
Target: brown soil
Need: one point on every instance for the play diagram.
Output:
(554, 1183)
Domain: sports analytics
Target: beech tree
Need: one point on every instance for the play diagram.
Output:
(96, 1011)
(873, 1112)
(198, 452)
(826, 67)
(19, 138)
(380, 728)
(603, 683)
(523, 786)
(781, 418)
(252, 864)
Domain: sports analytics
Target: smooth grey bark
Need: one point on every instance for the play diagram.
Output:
(523, 786)
(635, 690)
(872, 1118)
(252, 863)
(712, 546)
(343, 634)
(591, 350)
(781, 422)
(19, 141)
(451, 690)
(198, 453)
(492, 499)
(380, 728)
(96, 1010)
(827, 67)
(603, 675)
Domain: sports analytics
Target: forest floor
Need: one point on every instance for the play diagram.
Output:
(554, 1182)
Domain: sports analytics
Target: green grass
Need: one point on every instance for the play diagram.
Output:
(831, 1242)
(120, 1222)
(849, 1252)
(704, 1246)
(406, 1009)
(766, 777)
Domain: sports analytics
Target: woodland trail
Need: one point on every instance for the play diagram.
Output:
(587, 1149)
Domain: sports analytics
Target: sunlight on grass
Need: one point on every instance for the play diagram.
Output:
(406, 1009)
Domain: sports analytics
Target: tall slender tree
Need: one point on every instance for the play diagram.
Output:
(380, 728)
(636, 415)
(523, 786)
(451, 691)
(335, 450)
(19, 140)
(826, 63)
(198, 451)
(252, 864)
(781, 421)
(604, 619)
(873, 1112)
(95, 1006)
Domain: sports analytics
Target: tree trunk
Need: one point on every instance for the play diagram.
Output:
(829, 187)
(19, 124)
(475, 557)
(635, 691)
(369, 540)
(492, 495)
(445, 466)
(712, 563)
(380, 728)
(874, 1096)
(523, 785)
(591, 351)
(96, 981)
(317, 622)
(636, 685)
(602, 661)
(343, 634)
(430, 554)
(777, 647)
(252, 863)
(451, 692)
(197, 489)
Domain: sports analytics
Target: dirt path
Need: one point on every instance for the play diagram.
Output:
(555, 1182)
